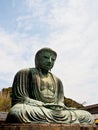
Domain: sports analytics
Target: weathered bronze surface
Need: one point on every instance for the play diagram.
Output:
(49, 126)
(37, 95)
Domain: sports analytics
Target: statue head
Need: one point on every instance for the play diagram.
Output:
(45, 58)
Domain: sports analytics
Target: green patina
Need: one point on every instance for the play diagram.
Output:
(37, 95)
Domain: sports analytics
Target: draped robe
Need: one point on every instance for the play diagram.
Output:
(28, 104)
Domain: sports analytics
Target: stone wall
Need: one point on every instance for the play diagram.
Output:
(46, 127)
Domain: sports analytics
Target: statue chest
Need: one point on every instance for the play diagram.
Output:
(47, 89)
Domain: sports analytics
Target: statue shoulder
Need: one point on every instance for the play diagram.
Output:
(23, 71)
(23, 74)
(26, 71)
(56, 78)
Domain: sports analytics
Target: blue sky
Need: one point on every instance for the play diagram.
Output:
(70, 27)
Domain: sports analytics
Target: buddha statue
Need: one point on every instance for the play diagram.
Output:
(38, 96)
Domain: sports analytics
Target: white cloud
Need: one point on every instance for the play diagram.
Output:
(73, 34)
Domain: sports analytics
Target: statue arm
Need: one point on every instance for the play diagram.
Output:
(20, 86)
(60, 93)
(21, 89)
(60, 96)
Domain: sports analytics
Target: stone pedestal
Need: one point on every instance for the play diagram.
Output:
(46, 127)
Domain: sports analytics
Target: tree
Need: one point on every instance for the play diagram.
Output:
(5, 101)
(71, 103)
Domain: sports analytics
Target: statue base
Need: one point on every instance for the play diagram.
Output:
(38, 126)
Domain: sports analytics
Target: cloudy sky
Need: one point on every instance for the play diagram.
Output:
(70, 27)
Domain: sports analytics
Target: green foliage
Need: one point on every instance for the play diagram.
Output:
(5, 99)
(71, 103)
(7, 91)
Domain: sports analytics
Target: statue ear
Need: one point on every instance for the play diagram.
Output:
(36, 62)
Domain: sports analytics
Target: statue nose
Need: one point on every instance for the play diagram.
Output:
(50, 60)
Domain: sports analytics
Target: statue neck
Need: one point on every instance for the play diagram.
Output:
(44, 72)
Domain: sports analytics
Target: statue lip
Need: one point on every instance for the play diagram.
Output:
(49, 65)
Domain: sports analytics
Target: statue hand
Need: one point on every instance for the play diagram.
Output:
(48, 104)
(33, 102)
(39, 103)
(65, 107)
(54, 106)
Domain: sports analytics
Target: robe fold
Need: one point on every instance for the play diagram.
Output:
(29, 105)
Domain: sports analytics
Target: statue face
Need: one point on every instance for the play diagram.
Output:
(46, 60)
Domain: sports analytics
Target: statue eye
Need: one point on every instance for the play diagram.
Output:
(53, 59)
(49, 57)
(46, 57)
